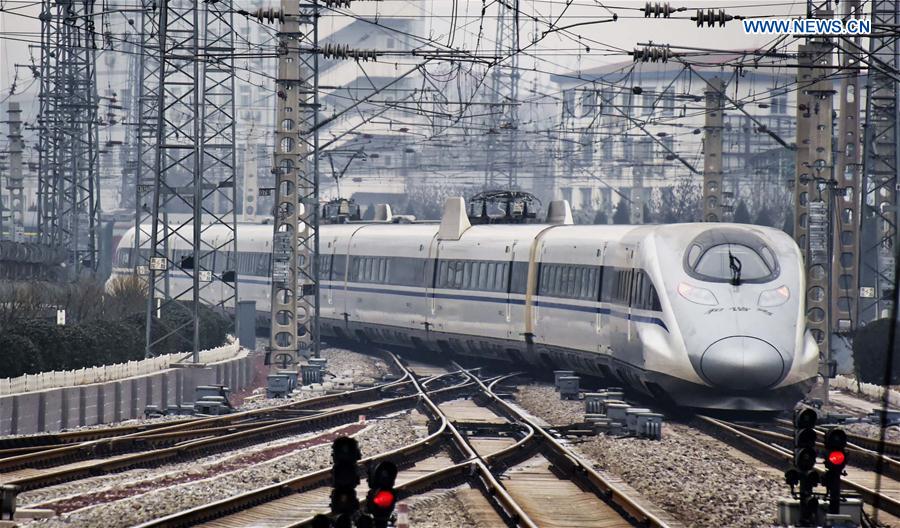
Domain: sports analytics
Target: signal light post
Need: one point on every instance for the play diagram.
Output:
(835, 462)
(344, 504)
(802, 473)
(381, 498)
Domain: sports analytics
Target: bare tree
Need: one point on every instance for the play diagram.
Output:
(680, 203)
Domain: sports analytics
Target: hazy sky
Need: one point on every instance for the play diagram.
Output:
(557, 52)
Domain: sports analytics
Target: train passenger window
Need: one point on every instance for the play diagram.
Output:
(487, 275)
(518, 280)
(338, 267)
(715, 263)
(122, 258)
(405, 271)
(261, 265)
(324, 267)
(382, 270)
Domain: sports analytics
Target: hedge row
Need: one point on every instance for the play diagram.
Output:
(29, 346)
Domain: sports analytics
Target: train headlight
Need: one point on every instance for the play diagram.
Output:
(776, 297)
(697, 295)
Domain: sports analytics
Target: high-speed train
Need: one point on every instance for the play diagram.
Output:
(706, 315)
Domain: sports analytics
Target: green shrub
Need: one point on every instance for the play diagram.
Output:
(20, 356)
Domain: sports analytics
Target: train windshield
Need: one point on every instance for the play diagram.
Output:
(717, 261)
(723, 254)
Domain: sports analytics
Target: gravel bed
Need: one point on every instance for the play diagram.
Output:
(892, 433)
(380, 435)
(694, 477)
(135, 421)
(442, 509)
(360, 367)
(342, 363)
(157, 476)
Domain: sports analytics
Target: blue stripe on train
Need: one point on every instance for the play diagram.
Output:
(478, 298)
(547, 304)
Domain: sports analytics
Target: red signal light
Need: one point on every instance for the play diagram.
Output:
(836, 457)
(383, 499)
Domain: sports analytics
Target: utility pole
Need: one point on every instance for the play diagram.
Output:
(814, 184)
(15, 178)
(195, 157)
(847, 174)
(504, 122)
(712, 151)
(295, 291)
(880, 165)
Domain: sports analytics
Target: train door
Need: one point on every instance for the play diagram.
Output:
(509, 281)
(600, 320)
(539, 329)
(430, 314)
(629, 289)
(329, 250)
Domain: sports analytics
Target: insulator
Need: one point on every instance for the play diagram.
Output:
(658, 10)
(711, 17)
(652, 54)
(337, 3)
(269, 15)
(343, 51)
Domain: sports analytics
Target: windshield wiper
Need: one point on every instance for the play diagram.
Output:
(735, 264)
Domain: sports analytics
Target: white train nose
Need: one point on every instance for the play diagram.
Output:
(742, 363)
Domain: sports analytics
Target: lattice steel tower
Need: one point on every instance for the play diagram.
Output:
(68, 178)
(192, 262)
(295, 292)
(503, 144)
(881, 162)
(148, 75)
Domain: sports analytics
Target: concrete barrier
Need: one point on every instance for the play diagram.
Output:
(114, 401)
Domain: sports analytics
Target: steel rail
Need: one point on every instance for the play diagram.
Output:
(210, 444)
(870, 458)
(572, 464)
(471, 467)
(777, 456)
(857, 440)
(407, 455)
(71, 452)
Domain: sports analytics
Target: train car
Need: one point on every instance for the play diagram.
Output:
(252, 262)
(698, 315)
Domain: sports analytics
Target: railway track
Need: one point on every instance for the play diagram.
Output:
(507, 468)
(193, 438)
(774, 448)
